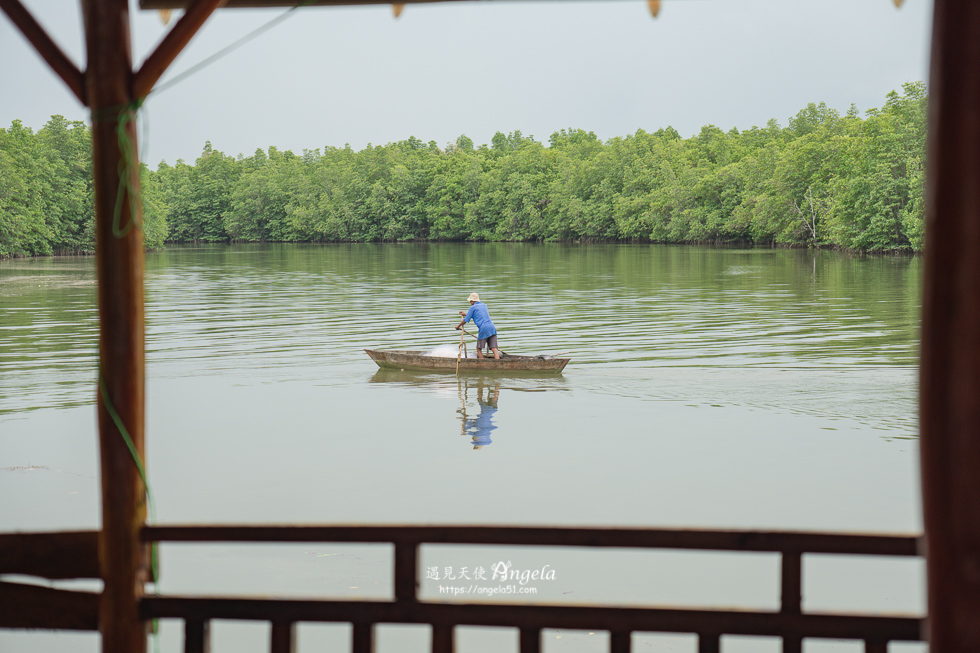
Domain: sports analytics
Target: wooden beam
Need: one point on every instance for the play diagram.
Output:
(718, 540)
(46, 47)
(285, 4)
(791, 582)
(443, 639)
(51, 555)
(620, 641)
(709, 643)
(172, 45)
(283, 637)
(530, 618)
(950, 365)
(362, 637)
(119, 271)
(30, 606)
(530, 640)
(406, 571)
(197, 636)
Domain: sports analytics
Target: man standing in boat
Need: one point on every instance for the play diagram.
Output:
(487, 335)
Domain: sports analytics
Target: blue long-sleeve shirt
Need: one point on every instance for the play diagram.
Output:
(481, 318)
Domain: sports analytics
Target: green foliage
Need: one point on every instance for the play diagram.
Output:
(154, 209)
(46, 195)
(71, 214)
(824, 180)
(25, 184)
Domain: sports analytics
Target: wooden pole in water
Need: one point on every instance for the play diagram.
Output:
(459, 353)
(950, 366)
(119, 269)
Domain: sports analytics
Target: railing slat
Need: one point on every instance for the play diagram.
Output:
(442, 639)
(709, 643)
(792, 644)
(406, 571)
(530, 640)
(363, 637)
(791, 590)
(197, 636)
(729, 622)
(283, 637)
(620, 641)
(790, 623)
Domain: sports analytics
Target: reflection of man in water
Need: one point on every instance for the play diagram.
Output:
(481, 425)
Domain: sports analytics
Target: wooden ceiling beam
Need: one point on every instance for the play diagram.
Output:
(46, 47)
(172, 45)
(253, 4)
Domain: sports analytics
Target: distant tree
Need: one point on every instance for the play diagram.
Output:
(851, 181)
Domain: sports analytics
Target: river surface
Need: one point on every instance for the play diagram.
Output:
(716, 388)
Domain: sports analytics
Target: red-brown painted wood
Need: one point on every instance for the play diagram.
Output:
(67, 554)
(283, 637)
(950, 366)
(666, 538)
(119, 270)
(32, 606)
(530, 619)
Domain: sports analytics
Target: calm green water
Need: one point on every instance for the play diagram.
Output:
(708, 387)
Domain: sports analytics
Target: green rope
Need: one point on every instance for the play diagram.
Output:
(126, 171)
(137, 459)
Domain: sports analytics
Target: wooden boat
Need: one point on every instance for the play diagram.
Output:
(416, 360)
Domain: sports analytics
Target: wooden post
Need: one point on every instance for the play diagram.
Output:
(119, 269)
(950, 368)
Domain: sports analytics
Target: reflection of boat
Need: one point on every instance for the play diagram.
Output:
(439, 383)
(416, 360)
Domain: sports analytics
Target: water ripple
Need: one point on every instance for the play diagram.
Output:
(306, 312)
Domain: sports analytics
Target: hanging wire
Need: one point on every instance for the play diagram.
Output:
(228, 49)
(128, 171)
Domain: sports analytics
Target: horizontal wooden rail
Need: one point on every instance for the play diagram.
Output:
(31, 606)
(442, 615)
(789, 623)
(772, 541)
(66, 554)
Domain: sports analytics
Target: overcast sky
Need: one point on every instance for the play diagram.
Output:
(330, 76)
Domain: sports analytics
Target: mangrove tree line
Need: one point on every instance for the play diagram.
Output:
(851, 181)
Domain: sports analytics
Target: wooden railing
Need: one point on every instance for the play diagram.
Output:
(789, 623)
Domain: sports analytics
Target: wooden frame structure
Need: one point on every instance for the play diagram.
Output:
(789, 623)
(949, 381)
